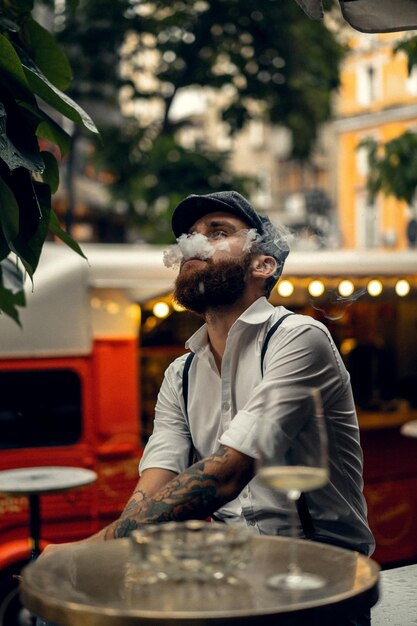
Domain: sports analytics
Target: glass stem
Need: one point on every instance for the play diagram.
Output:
(293, 568)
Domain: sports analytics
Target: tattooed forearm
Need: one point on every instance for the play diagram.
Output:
(196, 493)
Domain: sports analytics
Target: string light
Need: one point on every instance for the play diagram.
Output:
(177, 307)
(316, 288)
(285, 288)
(374, 287)
(113, 308)
(402, 288)
(346, 288)
(161, 310)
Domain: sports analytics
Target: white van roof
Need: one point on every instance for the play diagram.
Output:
(58, 319)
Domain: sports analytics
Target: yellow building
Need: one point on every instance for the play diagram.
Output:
(378, 99)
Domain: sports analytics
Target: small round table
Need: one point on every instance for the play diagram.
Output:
(35, 481)
(103, 584)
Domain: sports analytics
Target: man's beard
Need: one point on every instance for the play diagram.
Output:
(219, 284)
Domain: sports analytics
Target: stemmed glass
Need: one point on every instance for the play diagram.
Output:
(292, 459)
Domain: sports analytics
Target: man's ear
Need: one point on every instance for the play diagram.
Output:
(264, 266)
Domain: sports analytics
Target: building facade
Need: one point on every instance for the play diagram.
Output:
(378, 100)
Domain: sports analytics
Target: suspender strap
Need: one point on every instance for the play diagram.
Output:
(192, 457)
(185, 371)
(305, 516)
(268, 337)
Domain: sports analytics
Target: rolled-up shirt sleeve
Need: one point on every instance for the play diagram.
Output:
(297, 355)
(170, 443)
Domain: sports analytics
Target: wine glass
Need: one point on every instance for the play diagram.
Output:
(292, 459)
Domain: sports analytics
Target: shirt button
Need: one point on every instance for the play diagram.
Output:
(245, 494)
(226, 406)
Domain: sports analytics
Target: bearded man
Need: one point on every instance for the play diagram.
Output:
(231, 259)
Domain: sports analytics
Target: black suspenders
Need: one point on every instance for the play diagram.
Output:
(302, 506)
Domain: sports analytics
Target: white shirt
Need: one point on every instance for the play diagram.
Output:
(224, 409)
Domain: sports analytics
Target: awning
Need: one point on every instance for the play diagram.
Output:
(370, 16)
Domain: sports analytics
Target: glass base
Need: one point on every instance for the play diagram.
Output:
(302, 581)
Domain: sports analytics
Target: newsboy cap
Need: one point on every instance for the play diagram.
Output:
(194, 206)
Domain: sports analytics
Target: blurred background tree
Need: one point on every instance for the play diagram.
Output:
(145, 54)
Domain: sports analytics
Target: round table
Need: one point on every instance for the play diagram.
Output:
(35, 481)
(101, 584)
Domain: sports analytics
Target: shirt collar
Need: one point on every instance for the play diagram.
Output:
(258, 313)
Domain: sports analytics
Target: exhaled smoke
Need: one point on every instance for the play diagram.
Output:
(198, 246)
(338, 304)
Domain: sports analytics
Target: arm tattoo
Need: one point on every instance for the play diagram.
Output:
(194, 494)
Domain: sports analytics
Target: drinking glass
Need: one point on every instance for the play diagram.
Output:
(292, 459)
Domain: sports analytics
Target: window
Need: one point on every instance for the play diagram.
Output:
(367, 222)
(368, 82)
(39, 408)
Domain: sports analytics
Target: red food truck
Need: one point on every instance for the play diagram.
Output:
(69, 392)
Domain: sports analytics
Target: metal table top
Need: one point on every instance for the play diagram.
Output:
(99, 584)
(39, 480)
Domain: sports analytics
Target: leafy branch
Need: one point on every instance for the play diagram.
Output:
(33, 74)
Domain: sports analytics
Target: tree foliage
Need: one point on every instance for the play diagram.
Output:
(268, 53)
(266, 59)
(33, 74)
(393, 165)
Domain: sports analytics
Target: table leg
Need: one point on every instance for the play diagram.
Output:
(34, 525)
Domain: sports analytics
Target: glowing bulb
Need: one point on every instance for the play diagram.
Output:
(402, 288)
(177, 307)
(374, 287)
(316, 288)
(133, 311)
(113, 308)
(348, 345)
(150, 323)
(346, 288)
(285, 288)
(95, 303)
(161, 310)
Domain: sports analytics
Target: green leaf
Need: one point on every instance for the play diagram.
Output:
(52, 95)
(4, 247)
(29, 248)
(50, 175)
(11, 64)
(9, 212)
(55, 134)
(11, 290)
(55, 228)
(47, 55)
(48, 129)
(23, 151)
